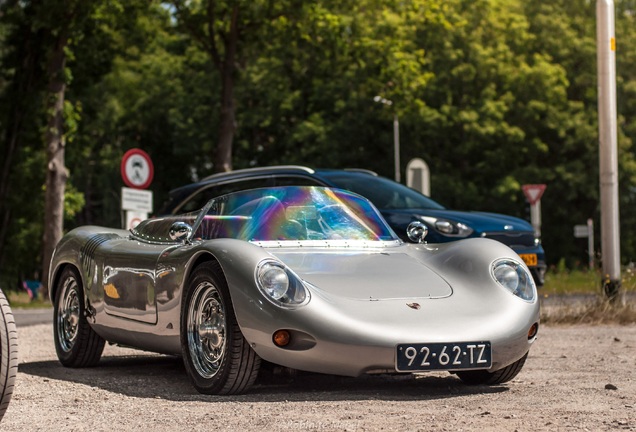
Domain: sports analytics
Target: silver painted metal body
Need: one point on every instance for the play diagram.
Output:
(363, 296)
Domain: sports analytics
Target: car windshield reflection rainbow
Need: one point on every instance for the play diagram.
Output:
(293, 214)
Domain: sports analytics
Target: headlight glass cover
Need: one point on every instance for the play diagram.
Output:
(448, 227)
(280, 285)
(515, 278)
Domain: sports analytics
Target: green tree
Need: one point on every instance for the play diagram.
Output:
(144, 87)
(227, 31)
(566, 31)
(310, 96)
(626, 107)
(22, 81)
(63, 21)
(41, 41)
(492, 93)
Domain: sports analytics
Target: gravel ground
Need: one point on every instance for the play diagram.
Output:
(576, 378)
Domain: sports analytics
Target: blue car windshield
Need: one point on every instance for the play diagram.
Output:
(385, 194)
(292, 214)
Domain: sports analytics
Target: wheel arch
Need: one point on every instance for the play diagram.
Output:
(196, 261)
(225, 252)
(238, 260)
(57, 274)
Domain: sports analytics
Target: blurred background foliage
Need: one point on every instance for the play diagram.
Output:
(493, 94)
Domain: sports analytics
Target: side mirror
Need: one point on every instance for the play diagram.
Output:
(180, 231)
(416, 232)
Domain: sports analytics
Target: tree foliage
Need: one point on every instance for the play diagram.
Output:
(493, 94)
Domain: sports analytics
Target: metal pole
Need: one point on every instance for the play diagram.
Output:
(608, 159)
(590, 243)
(396, 146)
(535, 218)
(396, 136)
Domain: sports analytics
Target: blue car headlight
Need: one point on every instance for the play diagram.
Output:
(448, 227)
(515, 278)
(280, 285)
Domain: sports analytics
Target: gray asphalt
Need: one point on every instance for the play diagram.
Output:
(28, 317)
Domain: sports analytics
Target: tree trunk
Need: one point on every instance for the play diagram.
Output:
(227, 121)
(56, 172)
(223, 156)
(23, 79)
(226, 66)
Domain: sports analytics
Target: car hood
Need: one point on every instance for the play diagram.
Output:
(367, 275)
(479, 221)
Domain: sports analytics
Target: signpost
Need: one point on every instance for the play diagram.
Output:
(418, 176)
(136, 199)
(133, 218)
(587, 231)
(533, 193)
(137, 172)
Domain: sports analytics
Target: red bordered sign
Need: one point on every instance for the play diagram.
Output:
(533, 192)
(137, 170)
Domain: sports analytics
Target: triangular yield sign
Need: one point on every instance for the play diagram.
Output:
(533, 192)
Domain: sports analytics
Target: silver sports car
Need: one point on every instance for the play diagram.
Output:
(308, 278)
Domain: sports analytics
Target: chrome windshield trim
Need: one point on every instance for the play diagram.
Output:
(331, 244)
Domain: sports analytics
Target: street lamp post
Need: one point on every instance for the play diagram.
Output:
(396, 136)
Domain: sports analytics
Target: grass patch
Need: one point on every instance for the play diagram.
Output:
(563, 282)
(578, 298)
(597, 310)
(21, 300)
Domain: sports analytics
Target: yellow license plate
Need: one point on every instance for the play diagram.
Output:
(529, 259)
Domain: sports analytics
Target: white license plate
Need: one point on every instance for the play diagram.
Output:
(443, 356)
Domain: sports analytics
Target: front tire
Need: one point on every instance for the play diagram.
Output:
(492, 378)
(8, 354)
(217, 357)
(76, 343)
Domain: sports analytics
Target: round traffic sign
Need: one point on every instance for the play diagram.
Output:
(137, 169)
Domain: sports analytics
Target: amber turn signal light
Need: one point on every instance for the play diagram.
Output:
(533, 330)
(281, 338)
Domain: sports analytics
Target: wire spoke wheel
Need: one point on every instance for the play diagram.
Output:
(76, 343)
(206, 324)
(68, 314)
(217, 357)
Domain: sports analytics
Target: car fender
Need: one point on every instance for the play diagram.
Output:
(67, 251)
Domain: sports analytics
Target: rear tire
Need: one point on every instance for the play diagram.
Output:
(217, 357)
(76, 343)
(8, 354)
(491, 378)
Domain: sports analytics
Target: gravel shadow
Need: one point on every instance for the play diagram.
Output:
(164, 377)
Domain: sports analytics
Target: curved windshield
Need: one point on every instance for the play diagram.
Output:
(385, 194)
(292, 213)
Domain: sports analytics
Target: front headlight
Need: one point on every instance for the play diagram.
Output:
(515, 278)
(448, 227)
(280, 285)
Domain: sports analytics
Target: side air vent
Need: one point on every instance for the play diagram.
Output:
(87, 252)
